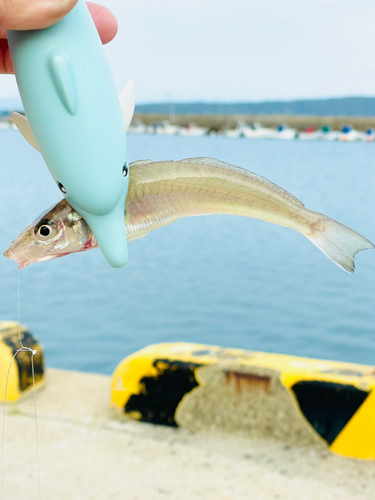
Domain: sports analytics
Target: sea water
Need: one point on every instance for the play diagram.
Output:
(221, 280)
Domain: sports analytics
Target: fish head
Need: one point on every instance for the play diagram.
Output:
(58, 231)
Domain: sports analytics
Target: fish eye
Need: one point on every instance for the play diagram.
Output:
(45, 230)
(61, 187)
(125, 170)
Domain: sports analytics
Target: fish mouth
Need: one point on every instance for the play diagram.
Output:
(22, 262)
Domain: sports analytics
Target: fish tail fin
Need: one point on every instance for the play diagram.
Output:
(339, 243)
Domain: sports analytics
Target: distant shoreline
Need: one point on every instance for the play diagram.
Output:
(218, 122)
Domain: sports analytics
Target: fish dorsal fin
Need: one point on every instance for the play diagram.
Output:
(218, 163)
(127, 101)
(23, 126)
(222, 164)
(138, 163)
(208, 161)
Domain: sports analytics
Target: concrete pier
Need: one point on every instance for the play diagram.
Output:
(86, 452)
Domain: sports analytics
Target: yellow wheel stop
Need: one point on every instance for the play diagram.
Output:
(302, 401)
(20, 379)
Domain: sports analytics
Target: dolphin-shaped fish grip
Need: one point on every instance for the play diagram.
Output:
(71, 102)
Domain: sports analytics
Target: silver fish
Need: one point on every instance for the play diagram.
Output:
(161, 192)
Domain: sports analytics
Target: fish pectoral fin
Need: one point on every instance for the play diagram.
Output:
(127, 102)
(23, 125)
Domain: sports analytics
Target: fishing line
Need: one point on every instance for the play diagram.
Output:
(32, 352)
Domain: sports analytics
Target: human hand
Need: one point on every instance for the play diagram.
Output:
(38, 14)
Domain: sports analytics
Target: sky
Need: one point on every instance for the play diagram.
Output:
(240, 50)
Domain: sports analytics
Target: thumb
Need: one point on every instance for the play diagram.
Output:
(33, 14)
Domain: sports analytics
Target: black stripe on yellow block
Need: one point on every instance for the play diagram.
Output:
(328, 406)
(162, 393)
(20, 375)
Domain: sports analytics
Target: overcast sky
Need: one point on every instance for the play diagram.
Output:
(241, 50)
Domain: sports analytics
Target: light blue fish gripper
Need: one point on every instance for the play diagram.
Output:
(71, 102)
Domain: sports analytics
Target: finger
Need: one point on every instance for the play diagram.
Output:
(6, 65)
(37, 14)
(105, 21)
